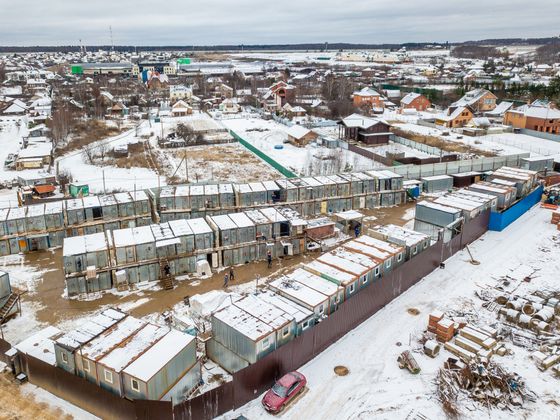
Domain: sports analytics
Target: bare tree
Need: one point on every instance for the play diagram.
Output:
(88, 154)
(186, 133)
(61, 123)
(2, 72)
(101, 150)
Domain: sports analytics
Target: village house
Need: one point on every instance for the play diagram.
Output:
(537, 118)
(229, 106)
(301, 136)
(278, 95)
(367, 97)
(365, 129)
(178, 92)
(415, 101)
(478, 100)
(181, 109)
(455, 117)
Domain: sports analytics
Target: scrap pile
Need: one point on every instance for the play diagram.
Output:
(532, 322)
(486, 382)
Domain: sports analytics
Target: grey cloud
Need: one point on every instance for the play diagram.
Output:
(181, 22)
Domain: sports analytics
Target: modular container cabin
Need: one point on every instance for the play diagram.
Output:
(342, 186)
(74, 211)
(86, 259)
(111, 365)
(414, 242)
(66, 346)
(225, 230)
(141, 201)
(334, 292)
(203, 234)
(302, 294)
(369, 183)
(272, 191)
(524, 182)
(386, 180)
(89, 355)
(133, 245)
(349, 282)
(92, 208)
(167, 199)
(276, 318)
(432, 219)
(304, 192)
(538, 164)
(125, 205)
(280, 225)
(165, 239)
(239, 339)
(436, 214)
(35, 218)
(3, 225)
(109, 207)
(315, 188)
(505, 195)
(437, 183)
(397, 252)
(464, 179)
(227, 196)
(487, 200)
(329, 186)
(289, 192)
(366, 268)
(15, 221)
(54, 215)
(385, 259)
(303, 317)
(259, 194)
(167, 371)
(182, 199)
(184, 246)
(246, 229)
(211, 196)
(243, 195)
(263, 226)
(469, 207)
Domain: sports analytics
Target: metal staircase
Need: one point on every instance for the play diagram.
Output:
(13, 299)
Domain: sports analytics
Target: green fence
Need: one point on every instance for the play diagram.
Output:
(284, 171)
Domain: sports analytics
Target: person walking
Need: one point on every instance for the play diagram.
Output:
(231, 274)
(269, 259)
(226, 280)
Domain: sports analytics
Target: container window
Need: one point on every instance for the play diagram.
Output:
(414, 250)
(64, 357)
(399, 257)
(135, 385)
(388, 263)
(377, 271)
(352, 288)
(86, 365)
(108, 375)
(266, 343)
(364, 279)
(304, 325)
(285, 332)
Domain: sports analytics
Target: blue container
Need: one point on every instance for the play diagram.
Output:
(278, 146)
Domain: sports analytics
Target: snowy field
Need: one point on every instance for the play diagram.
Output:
(377, 388)
(312, 159)
(481, 143)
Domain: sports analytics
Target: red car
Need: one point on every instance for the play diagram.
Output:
(283, 391)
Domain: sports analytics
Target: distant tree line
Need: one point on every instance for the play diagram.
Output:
(476, 52)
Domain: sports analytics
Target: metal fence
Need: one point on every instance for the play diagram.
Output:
(283, 170)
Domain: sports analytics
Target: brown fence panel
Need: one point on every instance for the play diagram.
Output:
(149, 410)
(4, 347)
(77, 390)
(211, 404)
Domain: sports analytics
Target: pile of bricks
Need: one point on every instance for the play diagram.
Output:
(556, 219)
(433, 320)
(443, 328)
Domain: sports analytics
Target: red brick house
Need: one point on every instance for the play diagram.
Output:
(415, 101)
(367, 97)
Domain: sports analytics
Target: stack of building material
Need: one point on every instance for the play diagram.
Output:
(473, 342)
(433, 319)
(555, 220)
(445, 330)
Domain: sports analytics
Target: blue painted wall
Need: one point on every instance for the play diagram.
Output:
(499, 221)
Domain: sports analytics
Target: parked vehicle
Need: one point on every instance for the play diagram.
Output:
(283, 391)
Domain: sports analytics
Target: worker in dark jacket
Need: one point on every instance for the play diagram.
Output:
(231, 274)
(226, 280)
(269, 259)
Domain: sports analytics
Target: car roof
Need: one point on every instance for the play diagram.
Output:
(288, 379)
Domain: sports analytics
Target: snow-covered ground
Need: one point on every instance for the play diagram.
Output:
(481, 143)
(377, 388)
(265, 134)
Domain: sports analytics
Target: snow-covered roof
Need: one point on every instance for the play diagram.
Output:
(159, 355)
(40, 345)
(270, 314)
(297, 131)
(409, 97)
(361, 121)
(77, 245)
(243, 322)
(299, 291)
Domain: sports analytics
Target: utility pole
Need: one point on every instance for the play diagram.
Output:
(104, 188)
(186, 166)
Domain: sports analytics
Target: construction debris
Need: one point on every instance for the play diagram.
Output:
(406, 360)
(431, 348)
(485, 382)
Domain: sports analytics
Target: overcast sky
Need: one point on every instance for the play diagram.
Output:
(205, 22)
